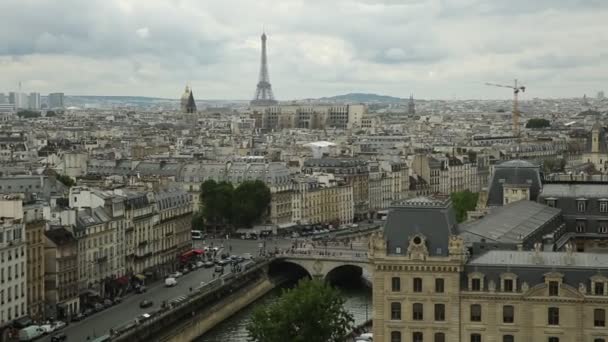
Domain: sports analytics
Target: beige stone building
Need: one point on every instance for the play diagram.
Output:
(34, 237)
(61, 273)
(172, 234)
(430, 285)
(322, 199)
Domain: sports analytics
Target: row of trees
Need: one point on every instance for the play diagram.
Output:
(538, 123)
(222, 204)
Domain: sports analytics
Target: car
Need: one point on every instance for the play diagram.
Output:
(141, 289)
(185, 270)
(117, 300)
(59, 325)
(208, 264)
(247, 256)
(142, 318)
(146, 303)
(219, 269)
(47, 328)
(175, 274)
(98, 307)
(107, 303)
(88, 312)
(59, 337)
(199, 264)
(170, 282)
(79, 317)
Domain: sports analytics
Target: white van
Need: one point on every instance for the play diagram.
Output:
(30, 333)
(170, 282)
(198, 235)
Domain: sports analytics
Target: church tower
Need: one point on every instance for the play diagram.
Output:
(187, 104)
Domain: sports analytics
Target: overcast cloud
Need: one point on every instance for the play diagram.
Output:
(434, 49)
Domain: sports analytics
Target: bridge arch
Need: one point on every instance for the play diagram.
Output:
(282, 267)
(344, 275)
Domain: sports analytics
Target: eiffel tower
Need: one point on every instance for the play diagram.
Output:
(263, 93)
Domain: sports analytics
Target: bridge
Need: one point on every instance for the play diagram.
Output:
(325, 263)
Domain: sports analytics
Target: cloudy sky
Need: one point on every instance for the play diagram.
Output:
(432, 48)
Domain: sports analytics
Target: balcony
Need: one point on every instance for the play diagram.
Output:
(104, 258)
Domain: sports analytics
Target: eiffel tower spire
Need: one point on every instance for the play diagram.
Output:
(263, 93)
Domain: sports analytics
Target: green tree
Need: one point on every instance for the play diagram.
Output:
(538, 123)
(250, 202)
(198, 221)
(311, 312)
(554, 165)
(216, 201)
(50, 113)
(28, 114)
(66, 180)
(463, 201)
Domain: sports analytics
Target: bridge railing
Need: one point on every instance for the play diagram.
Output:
(342, 254)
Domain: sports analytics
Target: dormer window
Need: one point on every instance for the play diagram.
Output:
(581, 226)
(508, 282)
(599, 285)
(476, 281)
(553, 288)
(551, 202)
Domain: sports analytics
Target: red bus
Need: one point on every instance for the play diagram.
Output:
(190, 255)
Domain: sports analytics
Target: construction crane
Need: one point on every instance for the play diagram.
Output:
(516, 89)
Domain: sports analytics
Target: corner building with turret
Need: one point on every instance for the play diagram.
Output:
(434, 281)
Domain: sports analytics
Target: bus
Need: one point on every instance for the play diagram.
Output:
(198, 235)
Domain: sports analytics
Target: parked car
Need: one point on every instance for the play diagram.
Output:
(208, 264)
(30, 333)
(59, 325)
(219, 269)
(142, 318)
(146, 303)
(185, 270)
(48, 328)
(107, 303)
(88, 312)
(141, 289)
(175, 274)
(170, 282)
(79, 317)
(59, 337)
(117, 300)
(97, 307)
(199, 264)
(247, 256)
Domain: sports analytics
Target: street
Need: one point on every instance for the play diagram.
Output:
(100, 323)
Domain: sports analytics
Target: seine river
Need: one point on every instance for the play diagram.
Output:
(358, 302)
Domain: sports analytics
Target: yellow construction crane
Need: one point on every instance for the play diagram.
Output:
(516, 89)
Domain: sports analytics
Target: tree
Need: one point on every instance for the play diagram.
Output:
(28, 114)
(216, 201)
(538, 123)
(250, 202)
(50, 113)
(554, 165)
(66, 180)
(311, 312)
(463, 201)
(198, 221)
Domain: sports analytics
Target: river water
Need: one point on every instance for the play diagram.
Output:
(234, 329)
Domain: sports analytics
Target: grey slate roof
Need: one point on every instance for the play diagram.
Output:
(513, 172)
(551, 259)
(432, 217)
(574, 190)
(511, 223)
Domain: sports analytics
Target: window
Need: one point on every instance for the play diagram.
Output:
(417, 312)
(553, 316)
(417, 284)
(598, 288)
(508, 314)
(553, 288)
(396, 284)
(395, 336)
(439, 285)
(551, 203)
(508, 285)
(599, 318)
(508, 338)
(439, 312)
(475, 313)
(417, 337)
(581, 205)
(603, 206)
(599, 340)
(476, 284)
(395, 310)
(581, 226)
(439, 337)
(475, 338)
(553, 339)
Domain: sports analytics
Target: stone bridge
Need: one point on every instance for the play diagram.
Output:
(327, 263)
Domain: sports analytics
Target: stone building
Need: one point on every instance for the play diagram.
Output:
(61, 272)
(13, 279)
(429, 285)
(171, 235)
(322, 199)
(34, 237)
(596, 148)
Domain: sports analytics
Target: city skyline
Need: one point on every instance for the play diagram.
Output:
(434, 49)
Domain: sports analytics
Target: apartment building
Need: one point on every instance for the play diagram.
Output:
(321, 198)
(61, 272)
(172, 234)
(13, 278)
(34, 237)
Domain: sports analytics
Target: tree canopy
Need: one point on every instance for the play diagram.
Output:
(28, 114)
(311, 312)
(538, 123)
(463, 201)
(66, 180)
(223, 204)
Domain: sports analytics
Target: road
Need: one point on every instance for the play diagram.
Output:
(100, 324)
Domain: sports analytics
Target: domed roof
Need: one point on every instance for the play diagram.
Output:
(515, 163)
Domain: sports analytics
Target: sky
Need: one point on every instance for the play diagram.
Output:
(434, 49)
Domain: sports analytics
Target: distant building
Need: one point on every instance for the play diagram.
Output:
(55, 100)
(512, 181)
(187, 101)
(20, 100)
(34, 101)
(596, 148)
(3, 98)
(411, 106)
